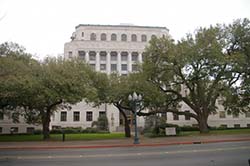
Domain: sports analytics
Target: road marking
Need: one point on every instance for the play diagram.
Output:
(32, 157)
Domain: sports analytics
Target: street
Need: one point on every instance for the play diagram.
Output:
(222, 154)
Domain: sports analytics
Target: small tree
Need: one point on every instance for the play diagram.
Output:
(101, 124)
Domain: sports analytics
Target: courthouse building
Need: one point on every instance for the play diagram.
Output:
(115, 48)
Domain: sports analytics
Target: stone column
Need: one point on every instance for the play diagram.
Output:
(119, 62)
(130, 62)
(108, 63)
(97, 61)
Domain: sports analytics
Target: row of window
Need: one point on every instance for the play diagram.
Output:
(76, 116)
(103, 55)
(124, 37)
(114, 68)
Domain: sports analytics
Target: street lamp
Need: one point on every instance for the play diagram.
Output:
(135, 100)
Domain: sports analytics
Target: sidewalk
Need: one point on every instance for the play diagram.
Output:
(126, 142)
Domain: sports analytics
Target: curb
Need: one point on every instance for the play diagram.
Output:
(121, 146)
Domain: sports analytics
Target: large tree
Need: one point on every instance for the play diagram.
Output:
(196, 71)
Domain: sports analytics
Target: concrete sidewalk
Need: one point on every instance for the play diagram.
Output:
(126, 142)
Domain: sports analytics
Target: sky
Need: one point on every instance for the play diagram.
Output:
(43, 26)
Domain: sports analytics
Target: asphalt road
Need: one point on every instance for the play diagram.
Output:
(216, 154)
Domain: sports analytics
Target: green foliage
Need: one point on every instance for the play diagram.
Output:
(101, 124)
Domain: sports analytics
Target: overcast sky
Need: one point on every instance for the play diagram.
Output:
(43, 26)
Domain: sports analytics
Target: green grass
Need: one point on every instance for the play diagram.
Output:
(217, 132)
(58, 137)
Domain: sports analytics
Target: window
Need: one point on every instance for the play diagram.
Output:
(81, 54)
(134, 67)
(63, 116)
(1, 116)
(30, 130)
(93, 36)
(113, 37)
(248, 125)
(89, 116)
(187, 117)
(70, 54)
(124, 56)
(134, 37)
(103, 37)
(153, 37)
(113, 55)
(222, 114)
(14, 130)
(1, 129)
(102, 113)
(113, 67)
(102, 67)
(247, 115)
(92, 66)
(236, 125)
(103, 55)
(143, 38)
(135, 56)
(175, 116)
(76, 116)
(92, 55)
(124, 67)
(124, 37)
(235, 115)
(82, 34)
(223, 126)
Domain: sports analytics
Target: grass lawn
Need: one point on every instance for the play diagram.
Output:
(217, 132)
(58, 137)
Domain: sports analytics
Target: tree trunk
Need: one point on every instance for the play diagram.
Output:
(46, 122)
(203, 126)
(126, 122)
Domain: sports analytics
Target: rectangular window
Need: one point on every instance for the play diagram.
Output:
(1, 116)
(222, 114)
(92, 57)
(102, 67)
(103, 57)
(134, 67)
(76, 116)
(92, 66)
(113, 57)
(236, 125)
(30, 130)
(81, 55)
(187, 117)
(63, 116)
(89, 116)
(14, 130)
(135, 57)
(82, 34)
(247, 114)
(235, 115)
(248, 125)
(70, 54)
(124, 57)
(1, 130)
(124, 67)
(102, 113)
(175, 116)
(223, 126)
(113, 67)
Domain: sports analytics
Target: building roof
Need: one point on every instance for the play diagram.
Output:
(122, 26)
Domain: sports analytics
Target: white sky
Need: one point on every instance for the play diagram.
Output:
(43, 26)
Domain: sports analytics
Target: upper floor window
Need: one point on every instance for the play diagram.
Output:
(113, 55)
(70, 53)
(76, 116)
(124, 56)
(113, 37)
(187, 117)
(81, 54)
(175, 116)
(134, 37)
(124, 37)
(135, 56)
(153, 36)
(82, 34)
(103, 55)
(143, 38)
(93, 36)
(103, 37)
(92, 55)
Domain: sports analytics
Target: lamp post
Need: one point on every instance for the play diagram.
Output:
(135, 100)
